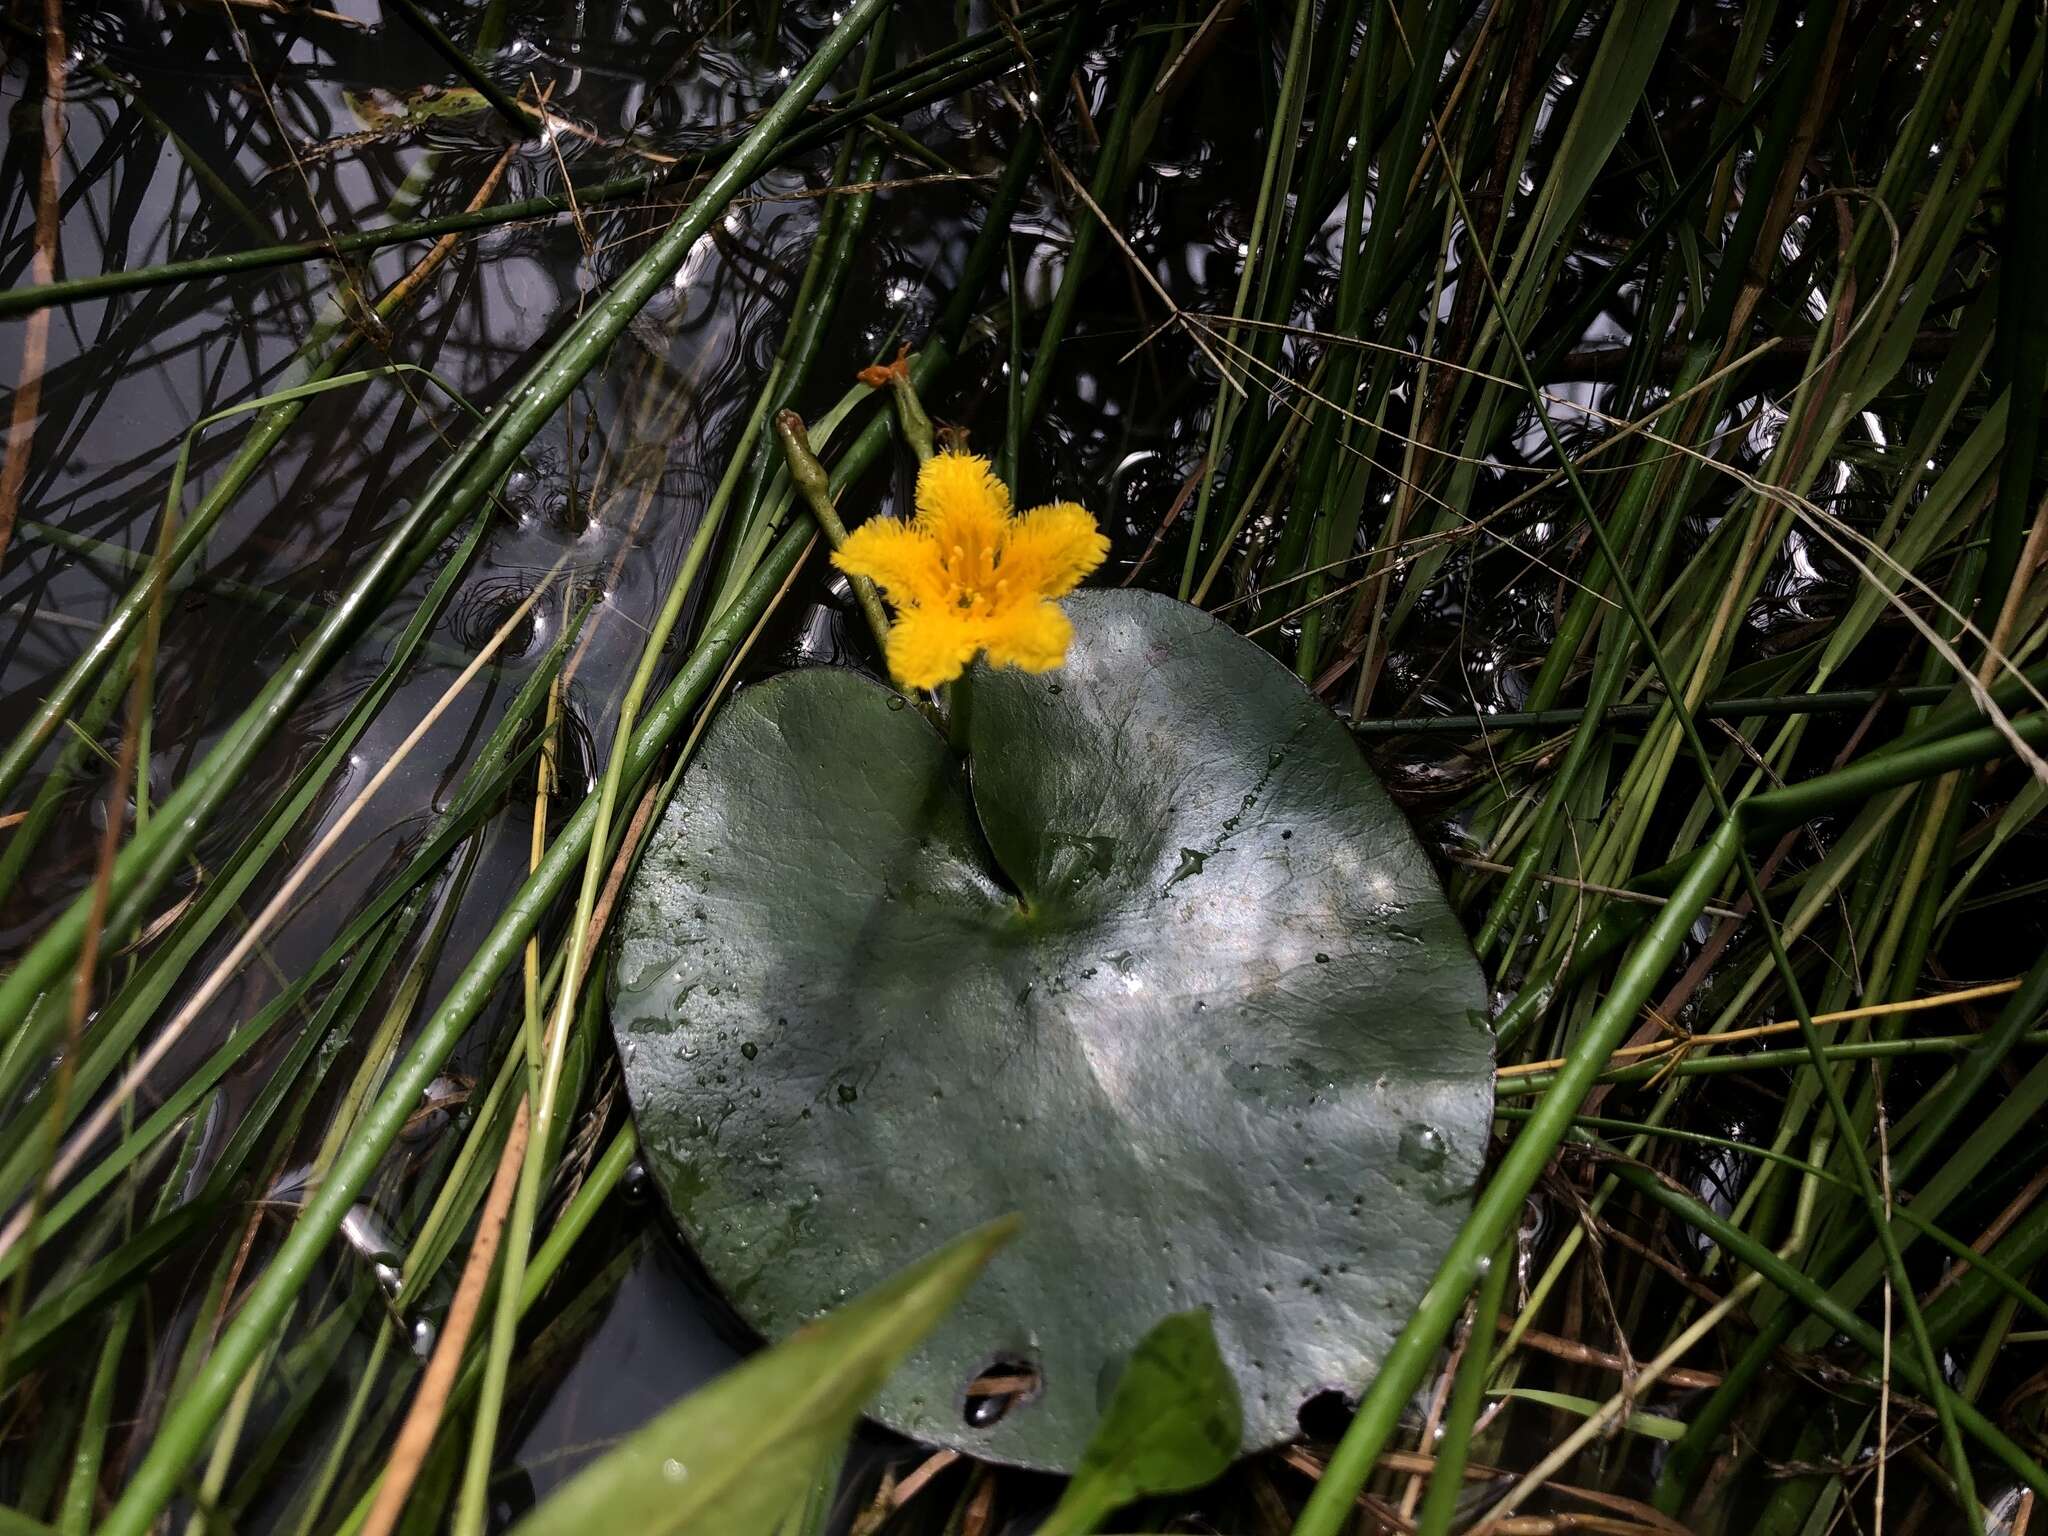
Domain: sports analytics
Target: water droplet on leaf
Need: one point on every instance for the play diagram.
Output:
(1423, 1147)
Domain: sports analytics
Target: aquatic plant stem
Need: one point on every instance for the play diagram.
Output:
(1112, 175)
(1877, 1205)
(1766, 706)
(1446, 1478)
(956, 701)
(1280, 143)
(1814, 1297)
(187, 1425)
(980, 58)
(81, 1492)
(814, 485)
(169, 1034)
(841, 224)
(605, 1175)
(430, 1401)
(1967, 1047)
(57, 1111)
(1499, 1205)
(1968, 1258)
(512, 1302)
(471, 1500)
(1498, 1208)
(471, 477)
(278, 411)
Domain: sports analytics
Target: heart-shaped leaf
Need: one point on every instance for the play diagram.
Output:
(1163, 970)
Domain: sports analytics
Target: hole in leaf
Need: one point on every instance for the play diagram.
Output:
(1325, 1416)
(1005, 1383)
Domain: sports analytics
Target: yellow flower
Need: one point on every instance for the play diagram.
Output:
(967, 577)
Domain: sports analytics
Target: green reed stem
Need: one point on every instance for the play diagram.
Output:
(467, 481)
(1840, 701)
(1815, 1299)
(1447, 1477)
(277, 413)
(1280, 144)
(1499, 1205)
(1996, 1273)
(1777, 1060)
(1876, 1201)
(188, 1424)
(954, 69)
(546, 1079)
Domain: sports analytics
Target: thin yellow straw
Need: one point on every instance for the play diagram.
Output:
(1690, 1042)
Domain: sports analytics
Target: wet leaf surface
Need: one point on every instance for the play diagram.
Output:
(1162, 970)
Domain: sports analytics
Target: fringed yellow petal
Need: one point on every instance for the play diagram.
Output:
(1048, 550)
(896, 556)
(967, 577)
(965, 509)
(929, 646)
(1033, 637)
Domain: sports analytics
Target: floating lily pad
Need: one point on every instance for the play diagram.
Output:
(1162, 969)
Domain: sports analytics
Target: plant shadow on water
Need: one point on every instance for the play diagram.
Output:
(192, 130)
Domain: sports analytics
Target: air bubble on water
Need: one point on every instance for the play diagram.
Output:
(364, 1231)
